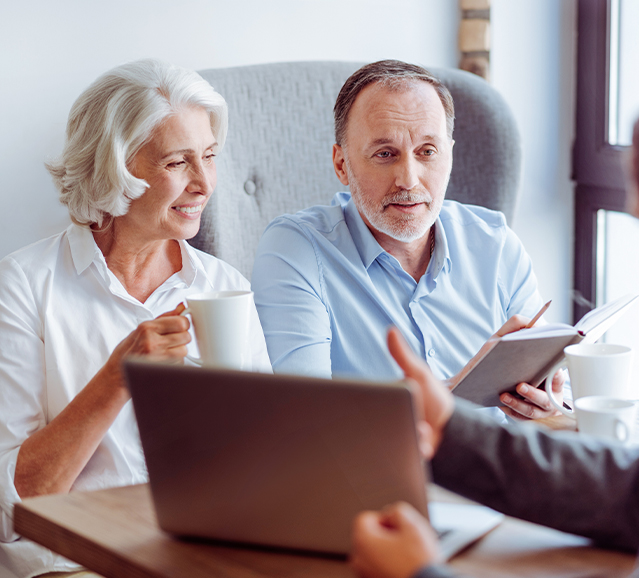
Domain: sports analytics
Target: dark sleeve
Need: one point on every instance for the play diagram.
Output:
(564, 480)
(436, 572)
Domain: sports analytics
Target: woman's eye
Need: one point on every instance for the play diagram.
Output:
(176, 164)
(210, 156)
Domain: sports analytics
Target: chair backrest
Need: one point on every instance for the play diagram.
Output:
(277, 157)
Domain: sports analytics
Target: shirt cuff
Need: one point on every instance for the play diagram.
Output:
(8, 495)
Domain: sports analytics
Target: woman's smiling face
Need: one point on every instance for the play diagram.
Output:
(178, 163)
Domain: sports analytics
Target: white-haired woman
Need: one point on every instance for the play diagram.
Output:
(137, 170)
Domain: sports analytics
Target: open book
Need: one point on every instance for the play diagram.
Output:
(528, 355)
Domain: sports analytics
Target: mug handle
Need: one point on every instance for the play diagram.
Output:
(551, 394)
(622, 433)
(195, 360)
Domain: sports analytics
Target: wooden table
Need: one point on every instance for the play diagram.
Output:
(115, 533)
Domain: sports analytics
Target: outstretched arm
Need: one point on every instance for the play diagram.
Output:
(558, 479)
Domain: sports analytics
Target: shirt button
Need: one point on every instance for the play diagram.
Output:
(431, 352)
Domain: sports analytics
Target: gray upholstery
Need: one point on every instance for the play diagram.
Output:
(277, 157)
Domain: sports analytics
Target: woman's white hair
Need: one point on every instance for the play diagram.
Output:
(111, 121)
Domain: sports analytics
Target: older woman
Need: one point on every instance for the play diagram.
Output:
(137, 170)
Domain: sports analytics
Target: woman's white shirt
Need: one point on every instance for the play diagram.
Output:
(62, 313)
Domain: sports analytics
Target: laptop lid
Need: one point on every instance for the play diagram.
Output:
(273, 460)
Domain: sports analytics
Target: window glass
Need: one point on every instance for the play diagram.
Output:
(623, 75)
(618, 274)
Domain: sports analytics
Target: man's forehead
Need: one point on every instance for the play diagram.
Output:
(379, 91)
(417, 136)
(381, 109)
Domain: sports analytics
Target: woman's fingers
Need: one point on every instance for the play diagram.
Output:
(177, 311)
(159, 336)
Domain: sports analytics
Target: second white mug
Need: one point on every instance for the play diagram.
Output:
(607, 417)
(595, 369)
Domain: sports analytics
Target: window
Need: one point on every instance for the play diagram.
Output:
(606, 238)
(598, 152)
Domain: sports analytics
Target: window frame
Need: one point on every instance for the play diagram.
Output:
(597, 165)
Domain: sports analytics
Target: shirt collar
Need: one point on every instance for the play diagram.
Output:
(441, 254)
(369, 249)
(191, 263)
(85, 251)
(83, 247)
(367, 246)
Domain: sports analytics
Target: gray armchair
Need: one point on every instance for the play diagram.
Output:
(277, 157)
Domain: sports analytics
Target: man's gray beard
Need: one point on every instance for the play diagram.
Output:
(403, 228)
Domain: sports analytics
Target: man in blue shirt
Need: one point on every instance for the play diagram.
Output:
(329, 280)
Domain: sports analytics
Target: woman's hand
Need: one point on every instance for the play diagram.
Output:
(393, 543)
(51, 459)
(163, 338)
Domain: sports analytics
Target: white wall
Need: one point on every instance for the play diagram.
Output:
(53, 50)
(533, 62)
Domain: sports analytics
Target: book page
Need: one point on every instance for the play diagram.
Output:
(541, 331)
(595, 323)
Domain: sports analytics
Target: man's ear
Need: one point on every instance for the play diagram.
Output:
(339, 164)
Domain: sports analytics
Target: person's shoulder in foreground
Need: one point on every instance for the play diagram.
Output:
(526, 473)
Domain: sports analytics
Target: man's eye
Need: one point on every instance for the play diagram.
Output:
(428, 152)
(384, 154)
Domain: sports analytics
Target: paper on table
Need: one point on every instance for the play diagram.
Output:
(462, 524)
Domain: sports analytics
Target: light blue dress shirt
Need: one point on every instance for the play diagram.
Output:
(326, 291)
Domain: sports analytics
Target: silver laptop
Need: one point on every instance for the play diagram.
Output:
(280, 460)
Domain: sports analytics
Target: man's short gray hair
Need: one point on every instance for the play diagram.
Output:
(392, 74)
(111, 121)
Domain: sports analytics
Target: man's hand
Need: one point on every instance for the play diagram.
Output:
(536, 403)
(393, 543)
(515, 323)
(433, 399)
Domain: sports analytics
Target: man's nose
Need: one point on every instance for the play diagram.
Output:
(406, 176)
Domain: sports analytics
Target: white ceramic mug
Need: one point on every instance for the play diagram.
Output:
(595, 369)
(608, 417)
(221, 322)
